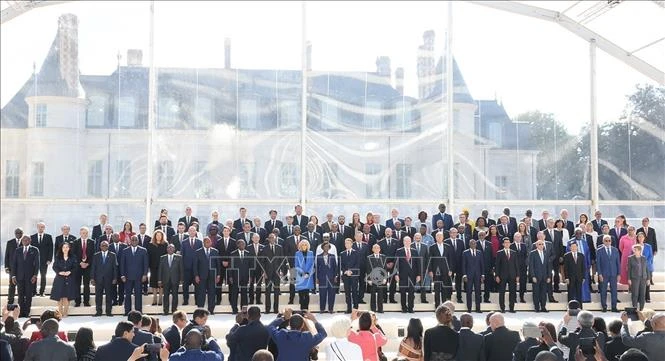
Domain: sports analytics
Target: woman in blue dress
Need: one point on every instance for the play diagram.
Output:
(583, 247)
(64, 285)
(304, 266)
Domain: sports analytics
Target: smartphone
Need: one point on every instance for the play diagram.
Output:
(532, 331)
(152, 348)
(587, 345)
(71, 335)
(632, 313)
(400, 331)
(34, 320)
(12, 307)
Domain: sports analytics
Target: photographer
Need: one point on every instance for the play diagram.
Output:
(198, 346)
(248, 335)
(296, 342)
(583, 332)
(199, 319)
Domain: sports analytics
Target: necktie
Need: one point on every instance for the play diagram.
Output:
(541, 257)
(256, 248)
(170, 260)
(272, 248)
(325, 259)
(25, 252)
(273, 224)
(192, 242)
(164, 229)
(418, 248)
(40, 240)
(341, 229)
(289, 229)
(207, 252)
(180, 238)
(408, 255)
(240, 254)
(398, 235)
(348, 253)
(84, 247)
(609, 253)
(505, 229)
(188, 220)
(104, 258)
(508, 254)
(518, 247)
(473, 252)
(575, 257)
(367, 238)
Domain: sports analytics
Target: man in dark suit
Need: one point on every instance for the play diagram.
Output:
(542, 223)
(336, 238)
(287, 229)
(140, 336)
(327, 274)
(246, 233)
(188, 219)
(558, 250)
(99, 229)
(273, 222)
(650, 234)
(574, 268)
(377, 277)
(12, 245)
(398, 232)
(521, 352)
(489, 221)
(499, 344)
(144, 239)
(248, 338)
(312, 236)
(258, 229)
(608, 269)
(225, 246)
(238, 275)
(173, 334)
(44, 242)
(441, 342)
(108, 231)
(239, 224)
(254, 249)
(103, 275)
(446, 218)
(390, 223)
(273, 266)
(299, 219)
(408, 227)
(504, 228)
(471, 345)
(170, 278)
(377, 229)
(549, 250)
(84, 250)
(179, 236)
(188, 251)
(134, 271)
(522, 253)
(441, 264)
(345, 230)
(473, 271)
(458, 248)
(389, 246)
(463, 228)
(368, 237)
(120, 347)
(485, 248)
(64, 237)
(540, 270)
(423, 254)
(290, 249)
(408, 274)
(507, 272)
(363, 251)
(512, 221)
(349, 266)
(24, 270)
(206, 274)
(567, 224)
(326, 227)
(606, 232)
(165, 227)
(598, 222)
(117, 291)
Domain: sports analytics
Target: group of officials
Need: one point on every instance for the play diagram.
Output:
(253, 258)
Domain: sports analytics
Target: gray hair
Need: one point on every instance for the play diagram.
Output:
(340, 326)
(585, 319)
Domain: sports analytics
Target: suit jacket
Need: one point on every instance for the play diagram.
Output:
(363, 252)
(614, 348)
(45, 248)
(637, 270)
(502, 233)
(104, 272)
(468, 233)
(571, 269)
(559, 248)
(254, 255)
(245, 340)
(650, 234)
(325, 274)
(177, 243)
(522, 255)
(192, 219)
(617, 235)
(117, 349)
(170, 232)
(284, 231)
(301, 220)
(206, 267)
(247, 238)
(168, 223)
(97, 231)
(488, 257)
(170, 275)
(188, 253)
(599, 241)
(572, 339)
(506, 268)
(522, 349)
(262, 232)
(240, 268)
(291, 247)
(77, 250)
(423, 254)
(134, 266)
(471, 346)
(273, 262)
(50, 349)
(117, 248)
(373, 262)
(390, 223)
(537, 268)
(24, 268)
(446, 218)
(349, 262)
(473, 266)
(440, 343)
(173, 337)
(346, 231)
(399, 234)
(570, 226)
(457, 245)
(441, 264)
(12, 244)
(407, 270)
(269, 227)
(378, 233)
(608, 265)
(141, 337)
(144, 240)
(598, 226)
(369, 239)
(499, 344)
(225, 247)
(59, 241)
(314, 239)
(542, 224)
(389, 249)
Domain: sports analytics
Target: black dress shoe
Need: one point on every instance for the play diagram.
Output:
(87, 304)
(411, 311)
(522, 300)
(512, 311)
(154, 304)
(361, 302)
(185, 303)
(77, 305)
(165, 313)
(109, 314)
(537, 311)
(380, 311)
(393, 301)
(423, 301)
(459, 300)
(604, 310)
(403, 311)
(544, 310)
(615, 310)
(97, 314)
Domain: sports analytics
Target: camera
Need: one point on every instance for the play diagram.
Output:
(632, 313)
(12, 307)
(152, 348)
(400, 331)
(34, 320)
(588, 345)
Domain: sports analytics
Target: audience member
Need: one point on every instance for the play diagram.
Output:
(199, 319)
(500, 343)
(649, 342)
(411, 346)
(120, 347)
(572, 339)
(543, 345)
(85, 345)
(295, 342)
(522, 348)
(173, 333)
(262, 355)
(340, 348)
(440, 342)
(247, 336)
(198, 347)
(614, 346)
(50, 347)
(368, 337)
(140, 336)
(471, 345)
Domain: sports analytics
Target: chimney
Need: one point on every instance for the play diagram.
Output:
(399, 80)
(383, 66)
(227, 53)
(134, 57)
(308, 61)
(68, 48)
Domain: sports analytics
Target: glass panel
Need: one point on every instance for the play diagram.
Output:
(127, 112)
(12, 179)
(41, 113)
(123, 174)
(37, 179)
(96, 111)
(95, 174)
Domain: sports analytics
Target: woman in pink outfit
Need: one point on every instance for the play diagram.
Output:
(626, 248)
(368, 337)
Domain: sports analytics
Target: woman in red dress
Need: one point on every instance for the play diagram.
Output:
(127, 232)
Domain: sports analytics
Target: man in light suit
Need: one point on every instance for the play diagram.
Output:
(473, 271)
(349, 266)
(540, 270)
(408, 274)
(44, 242)
(608, 269)
(134, 271)
(25, 268)
(443, 216)
(170, 277)
(103, 276)
(206, 274)
(188, 251)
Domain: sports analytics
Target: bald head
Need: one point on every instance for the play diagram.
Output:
(496, 321)
(658, 322)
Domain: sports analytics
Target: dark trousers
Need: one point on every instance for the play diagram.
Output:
(391, 290)
(234, 290)
(255, 291)
(11, 293)
(272, 287)
(473, 284)
(362, 286)
(188, 280)
(327, 297)
(170, 290)
(43, 268)
(303, 298)
(292, 292)
(575, 289)
(556, 279)
(118, 292)
(84, 280)
(133, 286)
(458, 285)
(602, 288)
(376, 297)
(407, 295)
(350, 291)
(539, 293)
(206, 287)
(523, 281)
(104, 288)
(442, 290)
(25, 290)
(490, 286)
(512, 293)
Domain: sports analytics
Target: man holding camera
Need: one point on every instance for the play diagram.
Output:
(198, 346)
(295, 342)
(584, 336)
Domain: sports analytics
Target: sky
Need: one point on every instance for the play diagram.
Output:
(526, 63)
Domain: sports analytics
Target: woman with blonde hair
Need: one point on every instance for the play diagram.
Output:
(304, 266)
(156, 249)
